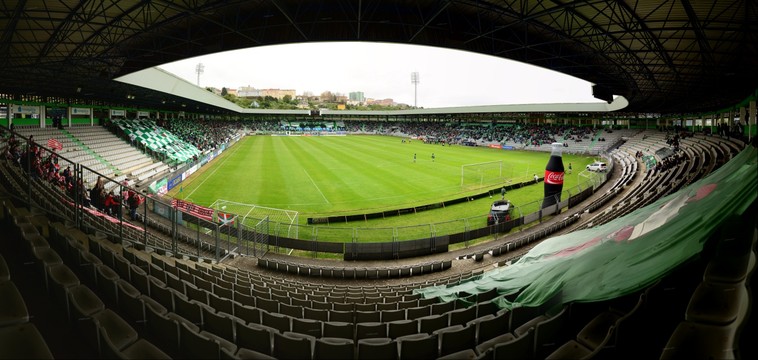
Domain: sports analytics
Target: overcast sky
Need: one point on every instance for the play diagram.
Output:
(382, 70)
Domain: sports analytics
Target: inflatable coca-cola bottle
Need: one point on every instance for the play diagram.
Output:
(553, 176)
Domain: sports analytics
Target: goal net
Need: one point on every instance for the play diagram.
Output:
(479, 175)
(250, 215)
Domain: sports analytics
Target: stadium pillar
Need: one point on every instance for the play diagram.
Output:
(172, 216)
(218, 229)
(42, 116)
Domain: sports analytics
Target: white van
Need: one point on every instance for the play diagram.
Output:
(597, 166)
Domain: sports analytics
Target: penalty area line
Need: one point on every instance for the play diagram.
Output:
(316, 186)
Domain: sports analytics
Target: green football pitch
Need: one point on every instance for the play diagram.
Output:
(327, 176)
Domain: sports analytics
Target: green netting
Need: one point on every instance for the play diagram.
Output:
(627, 254)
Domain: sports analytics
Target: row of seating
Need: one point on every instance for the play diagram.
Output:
(106, 331)
(19, 338)
(720, 304)
(444, 332)
(348, 272)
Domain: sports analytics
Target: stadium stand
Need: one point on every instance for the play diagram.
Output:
(127, 298)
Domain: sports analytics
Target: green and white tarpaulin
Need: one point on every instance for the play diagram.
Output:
(159, 140)
(627, 254)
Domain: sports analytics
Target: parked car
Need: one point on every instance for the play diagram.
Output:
(499, 211)
(597, 166)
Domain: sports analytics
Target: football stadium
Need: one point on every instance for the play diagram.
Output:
(146, 217)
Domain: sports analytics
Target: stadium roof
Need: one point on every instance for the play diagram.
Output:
(667, 56)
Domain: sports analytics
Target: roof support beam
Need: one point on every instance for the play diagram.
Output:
(289, 18)
(441, 9)
(705, 47)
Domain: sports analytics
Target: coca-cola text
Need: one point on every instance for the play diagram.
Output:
(553, 177)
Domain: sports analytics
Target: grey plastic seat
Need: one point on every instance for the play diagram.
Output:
(23, 341)
(717, 303)
(418, 312)
(418, 346)
(118, 330)
(573, 349)
(161, 293)
(61, 278)
(486, 308)
(45, 257)
(307, 327)
(195, 293)
(276, 321)
(400, 328)
(271, 306)
(243, 353)
(487, 345)
(430, 324)
(84, 303)
(140, 349)
(441, 308)
(386, 306)
(392, 315)
(130, 302)
(327, 348)
(342, 316)
(462, 316)
(519, 348)
(138, 279)
(492, 327)
(293, 346)
(291, 310)
(255, 337)
(338, 330)
(220, 303)
(162, 330)
(550, 333)
(692, 340)
(467, 354)
(195, 345)
(14, 309)
(87, 267)
(188, 309)
(367, 316)
(219, 323)
(248, 314)
(222, 291)
(5, 274)
(106, 283)
(370, 330)
(456, 338)
(244, 298)
(377, 348)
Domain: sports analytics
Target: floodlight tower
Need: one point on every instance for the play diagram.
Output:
(199, 69)
(415, 80)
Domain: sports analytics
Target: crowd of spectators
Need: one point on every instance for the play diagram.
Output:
(203, 134)
(207, 134)
(43, 165)
(468, 134)
(670, 162)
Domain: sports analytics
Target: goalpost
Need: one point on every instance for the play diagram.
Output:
(250, 215)
(480, 175)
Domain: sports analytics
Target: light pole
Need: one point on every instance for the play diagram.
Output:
(415, 80)
(199, 69)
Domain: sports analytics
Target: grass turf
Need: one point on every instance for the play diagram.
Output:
(327, 176)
